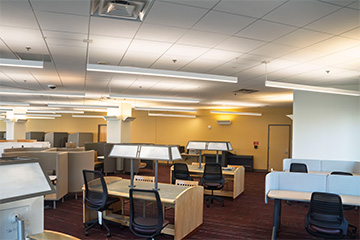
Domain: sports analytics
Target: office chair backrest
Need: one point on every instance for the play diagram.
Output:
(146, 213)
(326, 216)
(186, 183)
(341, 173)
(298, 167)
(181, 171)
(212, 171)
(96, 193)
(140, 178)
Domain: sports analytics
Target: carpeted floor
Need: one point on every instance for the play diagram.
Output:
(247, 217)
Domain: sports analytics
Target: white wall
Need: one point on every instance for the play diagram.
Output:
(326, 126)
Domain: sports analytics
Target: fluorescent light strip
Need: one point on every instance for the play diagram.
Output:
(311, 88)
(41, 93)
(38, 114)
(238, 104)
(160, 73)
(90, 110)
(166, 109)
(170, 115)
(237, 113)
(40, 118)
(158, 99)
(81, 106)
(87, 116)
(21, 63)
(14, 104)
(54, 111)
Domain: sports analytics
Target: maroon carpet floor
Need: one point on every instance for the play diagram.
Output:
(247, 217)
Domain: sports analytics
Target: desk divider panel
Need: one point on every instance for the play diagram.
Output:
(340, 184)
(303, 182)
(338, 165)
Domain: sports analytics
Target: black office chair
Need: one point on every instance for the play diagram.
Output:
(298, 167)
(181, 171)
(146, 213)
(326, 216)
(341, 173)
(213, 179)
(96, 198)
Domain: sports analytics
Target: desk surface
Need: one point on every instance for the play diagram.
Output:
(52, 235)
(306, 196)
(190, 154)
(195, 169)
(120, 187)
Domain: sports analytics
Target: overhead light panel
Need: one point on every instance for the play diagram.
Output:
(41, 93)
(160, 73)
(87, 116)
(157, 99)
(81, 106)
(14, 104)
(21, 63)
(238, 104)
(170, 115)
(311, 88)
(166, 109)
(237, 113)
(49, 118)
(38, 115)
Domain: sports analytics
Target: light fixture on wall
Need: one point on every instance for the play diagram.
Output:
(160, 73)
(165, 109)
(21, 63)
(170, 115)
(156, 99)
(237, 113)
(224, 122)
(311, 88)
(238, 104)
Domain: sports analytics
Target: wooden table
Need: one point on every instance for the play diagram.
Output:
(187, 202)
(52, 235)
(234, 176)
(279, 195)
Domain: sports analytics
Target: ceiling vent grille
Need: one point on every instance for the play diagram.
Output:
(246, 91)
(125, 9)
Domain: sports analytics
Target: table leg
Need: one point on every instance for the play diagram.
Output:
(276, 218)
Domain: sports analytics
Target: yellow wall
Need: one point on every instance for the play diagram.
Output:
(66, 124)
(242, 132)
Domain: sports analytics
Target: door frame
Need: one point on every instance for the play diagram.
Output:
(268, 142)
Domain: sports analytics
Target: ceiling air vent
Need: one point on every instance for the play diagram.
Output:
(246, 91)
(130, 9)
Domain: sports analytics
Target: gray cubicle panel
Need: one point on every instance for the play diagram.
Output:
(98, 147)
(39, 136)
(80, 138)
(57, 139)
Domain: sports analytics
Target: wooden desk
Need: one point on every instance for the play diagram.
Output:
(52, 235)
(187, 202)
(235, 176)
(279, 195)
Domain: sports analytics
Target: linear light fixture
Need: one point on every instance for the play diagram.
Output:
(53, 111)
(238, 104)
(166, 109)
(311, 88)
(40, 117)
(160, 73)
(237, 113)
(21, 63)
(157, 99)
(170, 115)
(87, 116)
(41, 93)
(81, 106)
(14, 104)
(90, 110)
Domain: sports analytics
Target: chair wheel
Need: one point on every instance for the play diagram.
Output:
(108, 235)
(86, 234)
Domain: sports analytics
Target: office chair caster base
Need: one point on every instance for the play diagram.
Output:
(108, 235)
(86, 234)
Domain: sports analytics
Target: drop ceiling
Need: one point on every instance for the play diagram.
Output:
(302, 42)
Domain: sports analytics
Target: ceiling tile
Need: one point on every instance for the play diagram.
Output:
(166, 61)
(300, 13)
(186, 51)
(156, 32)
(202, 39)
(139, 59)
(341, 21)
(224, 23)
(201, 65)
(65, 38)
(175, 14)
(334, 45)
(264, 30)
(148, 46)
(78, 7)
(220, 55)
(273, 50)
(113, 27)
(240, 44)
(9, 9)
(249, 8)
(302, 38)
(355, 33)
(339, 2)
(195, 3)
